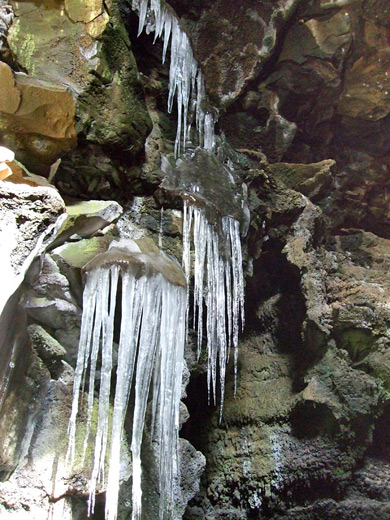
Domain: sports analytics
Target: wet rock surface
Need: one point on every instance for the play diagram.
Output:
(233, 40)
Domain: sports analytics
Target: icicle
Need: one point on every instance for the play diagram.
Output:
(161, 229)
(186, 81)
(89, 306)
(171, 365)
(199, 273)
(186, 263)
(231, 228)
(132, 298)
(146, 354)
(224, 294)
(152, 335)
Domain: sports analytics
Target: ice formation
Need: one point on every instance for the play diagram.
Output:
(219, 282)
(151, 344)
(186, 80)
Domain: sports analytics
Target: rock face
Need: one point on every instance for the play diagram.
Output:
(233, 40)
(308, 401)
(302, 88)
(29, 216)
(106, 97)
(36, 118)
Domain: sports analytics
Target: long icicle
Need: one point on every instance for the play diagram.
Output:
(186, 80)
(219, 284)
(152, 335)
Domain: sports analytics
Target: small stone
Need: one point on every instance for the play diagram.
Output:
(47, 347)
(87, 217)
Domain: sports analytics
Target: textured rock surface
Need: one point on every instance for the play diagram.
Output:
(302, 89)
(233, 40)
(6, 19)
(37, 118)
(29, 217)
(94, 61)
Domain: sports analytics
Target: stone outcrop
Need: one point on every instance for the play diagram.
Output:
(234, 40)
(29, 218)
(73, 47)
(37, 118)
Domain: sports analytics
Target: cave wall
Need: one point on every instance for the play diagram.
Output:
(301, 88)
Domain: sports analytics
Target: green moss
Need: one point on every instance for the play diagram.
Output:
(357, 342)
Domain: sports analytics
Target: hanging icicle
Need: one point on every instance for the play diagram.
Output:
(151, 342)
(219, 283)
(186, 80)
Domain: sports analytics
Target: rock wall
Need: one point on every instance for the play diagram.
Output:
(302, 93)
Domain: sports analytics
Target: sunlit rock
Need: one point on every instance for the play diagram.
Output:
(84, 218)
(35, 116)
(20, 226)
(83, 11)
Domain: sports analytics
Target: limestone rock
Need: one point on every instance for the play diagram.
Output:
(77, 254)
(192, 464)
(49, 301)
(313, 180)
(11, 101)
(256, 124)
(366, 93)
(23, 381)
(82, 10)
(377, 11)
(49, 350)
(73, 45)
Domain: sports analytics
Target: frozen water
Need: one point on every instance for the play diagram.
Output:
(151, 344)
(219, 283)
(186, 81)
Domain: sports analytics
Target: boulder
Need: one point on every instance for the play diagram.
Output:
(85, 218)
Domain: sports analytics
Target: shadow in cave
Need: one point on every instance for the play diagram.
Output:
(275, 305)
(380, 447)
(80, 508)
(195, 430)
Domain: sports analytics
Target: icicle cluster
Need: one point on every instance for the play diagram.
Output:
(219, 283)
(151, 342)
(186, 80)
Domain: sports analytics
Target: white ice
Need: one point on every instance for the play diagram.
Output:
(219, 284)
(186, 81)
(151, 344)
